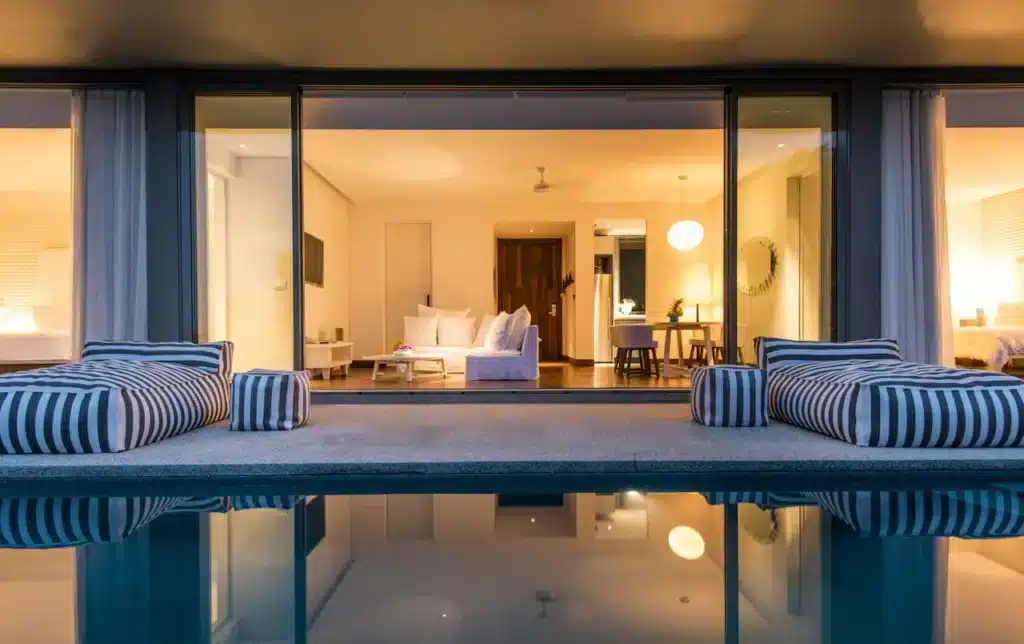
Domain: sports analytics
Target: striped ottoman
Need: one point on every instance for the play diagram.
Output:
(269, 400)
(729, 396)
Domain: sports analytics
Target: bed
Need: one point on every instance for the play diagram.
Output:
(865, 394)
(119, 397)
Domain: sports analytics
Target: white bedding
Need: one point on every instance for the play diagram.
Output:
(35, 347)
(982, 343)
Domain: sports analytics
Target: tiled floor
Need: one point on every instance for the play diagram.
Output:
(552, 376)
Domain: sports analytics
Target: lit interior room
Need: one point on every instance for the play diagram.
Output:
(426, 218)
(984, 196)
(35, 229)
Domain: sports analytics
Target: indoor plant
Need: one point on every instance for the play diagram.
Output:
(676, 310)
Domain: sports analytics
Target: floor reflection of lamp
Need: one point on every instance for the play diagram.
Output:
(697, 286)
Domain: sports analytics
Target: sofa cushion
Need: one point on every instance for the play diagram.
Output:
(516, 331)
(497, 331)
(455, 332)
(420, 332)
(773, 353)
(424, 311)
(481, 333)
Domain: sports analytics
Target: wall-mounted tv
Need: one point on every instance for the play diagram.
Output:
(313, 260)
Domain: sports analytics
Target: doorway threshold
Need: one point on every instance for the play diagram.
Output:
(631, 395)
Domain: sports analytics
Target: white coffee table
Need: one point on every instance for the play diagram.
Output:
(409, 360)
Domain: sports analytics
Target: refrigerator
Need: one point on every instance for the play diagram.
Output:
(604, 313)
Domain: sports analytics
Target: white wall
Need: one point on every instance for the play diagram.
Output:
(326, 216)
(966, 258)
(463, 258)
(38, 596)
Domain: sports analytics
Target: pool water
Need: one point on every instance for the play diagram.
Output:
(640, 566)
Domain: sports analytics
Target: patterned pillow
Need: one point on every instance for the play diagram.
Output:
(211, 357)
(777, 352)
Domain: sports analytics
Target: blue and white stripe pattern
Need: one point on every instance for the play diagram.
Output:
(974, 514)
(729, 396)
(203, 504)
(105, 406)
(36, 522)
(211, 357)
(265, 502)
(773, 353)
(269, 400)
(763, 500)
(890, 403)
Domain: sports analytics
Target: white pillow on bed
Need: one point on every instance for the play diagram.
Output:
(455, 332)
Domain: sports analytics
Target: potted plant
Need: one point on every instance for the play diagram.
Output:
(676, 310)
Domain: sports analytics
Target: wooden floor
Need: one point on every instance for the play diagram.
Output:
(552, 376)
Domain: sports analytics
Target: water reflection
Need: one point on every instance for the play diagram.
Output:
(815, 567)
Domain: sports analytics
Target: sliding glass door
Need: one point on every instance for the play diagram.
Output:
(784, 211)
(244, 212)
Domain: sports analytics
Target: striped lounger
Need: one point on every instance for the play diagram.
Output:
(864, 394)
(37, 522)
(119, 397)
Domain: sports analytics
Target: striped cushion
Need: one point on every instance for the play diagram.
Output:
(777, 352)
(729, 396)
(899, 404)
(269, 400)
(932, 513)
(36, 522)
(212, 357)
(202, 504)
(265, 502)
(105, 406)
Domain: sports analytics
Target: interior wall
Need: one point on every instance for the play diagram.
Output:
(35, 261)
(966, 257)
(325, 215)
(38, 596)
(463, 257)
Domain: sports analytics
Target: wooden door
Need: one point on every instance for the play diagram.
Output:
(530, 274)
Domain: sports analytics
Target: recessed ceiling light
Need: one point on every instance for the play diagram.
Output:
(780, 145)
(242, 146)
(532, 520)
(531, 230)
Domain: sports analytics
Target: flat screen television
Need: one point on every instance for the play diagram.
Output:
(313, 260)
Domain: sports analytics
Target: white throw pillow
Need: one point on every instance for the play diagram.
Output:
(485, 326)
(420, 332)
(498, 330)
(455, 332)
(516, 332)
(429, 312)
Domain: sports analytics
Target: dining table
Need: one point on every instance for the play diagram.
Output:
(677, 328)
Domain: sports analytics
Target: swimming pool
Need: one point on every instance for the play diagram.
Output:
(601, 560)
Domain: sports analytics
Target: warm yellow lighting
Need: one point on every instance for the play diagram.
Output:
(685, 235)
(686, 542)
(633, 494)
(13, 321)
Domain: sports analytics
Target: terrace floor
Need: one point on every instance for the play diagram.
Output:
(485, 440)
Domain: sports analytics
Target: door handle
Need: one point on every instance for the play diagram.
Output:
(428, 299)
(554, 310)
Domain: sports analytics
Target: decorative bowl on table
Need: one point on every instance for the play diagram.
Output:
(403, 350)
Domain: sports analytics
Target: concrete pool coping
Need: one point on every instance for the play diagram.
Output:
(482, 440)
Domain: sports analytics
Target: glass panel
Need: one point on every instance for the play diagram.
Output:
(244, 211)
(784, 219)
(36, 228)
(780, 575)
(591, 209)
(985, 229)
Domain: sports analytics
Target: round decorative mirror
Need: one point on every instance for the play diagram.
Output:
(761, 525)
(758, 263)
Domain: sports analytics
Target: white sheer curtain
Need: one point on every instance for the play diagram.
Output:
(915, 256)
(110, 215)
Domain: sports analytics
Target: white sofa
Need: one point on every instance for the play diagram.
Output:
(507, 365)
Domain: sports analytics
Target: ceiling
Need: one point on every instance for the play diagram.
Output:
(464, 34)
(983, 162)
(35, 160)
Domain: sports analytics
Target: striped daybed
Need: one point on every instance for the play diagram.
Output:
(38, 522)
(865, 394)
(121, 395)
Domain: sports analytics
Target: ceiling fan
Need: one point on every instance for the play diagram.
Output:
(541, 186)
